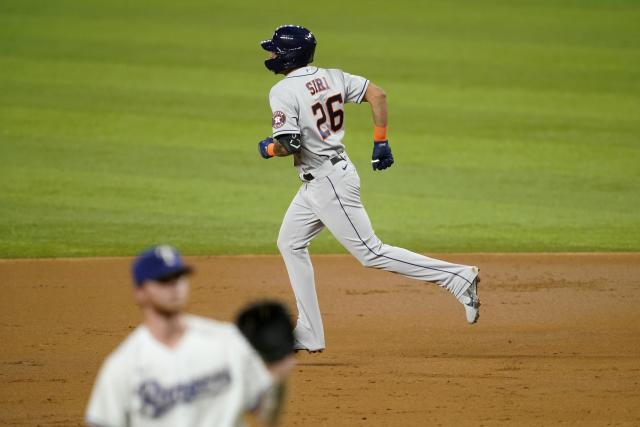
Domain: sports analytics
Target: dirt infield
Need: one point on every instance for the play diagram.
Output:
(558, 341)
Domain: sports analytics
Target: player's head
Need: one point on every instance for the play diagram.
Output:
(159, 275)
(291, 47)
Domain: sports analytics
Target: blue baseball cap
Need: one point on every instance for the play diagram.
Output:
(161, 263)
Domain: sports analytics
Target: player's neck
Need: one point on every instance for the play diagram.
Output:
(287, 72)
(167, 328)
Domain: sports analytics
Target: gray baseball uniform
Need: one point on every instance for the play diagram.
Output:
(309, 101)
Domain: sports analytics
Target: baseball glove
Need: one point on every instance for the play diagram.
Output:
(267, 326)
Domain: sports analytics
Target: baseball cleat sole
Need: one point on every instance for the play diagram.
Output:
(297, 350)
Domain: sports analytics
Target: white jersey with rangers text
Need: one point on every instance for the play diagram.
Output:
(310, 101)
(209, 379)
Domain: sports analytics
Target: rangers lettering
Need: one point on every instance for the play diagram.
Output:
(157, 400)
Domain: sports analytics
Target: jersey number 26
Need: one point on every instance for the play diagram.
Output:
(335, 114)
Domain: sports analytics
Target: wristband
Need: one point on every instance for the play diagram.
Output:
(379, 133)
(270, 149)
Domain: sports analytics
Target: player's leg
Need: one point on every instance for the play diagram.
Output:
(299, 226)
(342, 212)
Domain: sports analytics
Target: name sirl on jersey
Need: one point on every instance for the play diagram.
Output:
(157, 400)
(317, 85)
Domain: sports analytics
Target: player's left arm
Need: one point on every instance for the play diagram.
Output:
(287, 138)
(382, 157)
(377, 98)
(268, 328)
(272, 402)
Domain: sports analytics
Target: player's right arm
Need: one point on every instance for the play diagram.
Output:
(271, 404)
(281, 146)
(108, 403)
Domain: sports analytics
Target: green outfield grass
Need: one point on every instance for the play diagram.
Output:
(515, 124)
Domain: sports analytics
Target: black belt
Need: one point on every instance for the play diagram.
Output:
(333, 160)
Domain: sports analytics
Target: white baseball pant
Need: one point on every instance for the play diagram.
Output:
(334, 201)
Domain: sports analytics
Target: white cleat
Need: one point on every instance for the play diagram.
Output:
(301, 335)
(297, 347)
(471, 301)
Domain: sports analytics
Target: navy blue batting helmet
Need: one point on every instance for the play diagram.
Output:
(293, 45)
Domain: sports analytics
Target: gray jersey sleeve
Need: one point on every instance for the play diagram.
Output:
(355, 88)
(285, 115)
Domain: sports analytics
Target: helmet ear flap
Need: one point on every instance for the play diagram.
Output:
(311, 54)
(274, 64)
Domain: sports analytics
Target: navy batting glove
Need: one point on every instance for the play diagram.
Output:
(381, 157)
(262, 147)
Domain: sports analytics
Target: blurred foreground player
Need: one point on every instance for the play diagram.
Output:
(177, 369)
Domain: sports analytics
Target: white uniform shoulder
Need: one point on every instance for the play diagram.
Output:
(119, 362)
(215, 329)
(127, 348)
(201, 323)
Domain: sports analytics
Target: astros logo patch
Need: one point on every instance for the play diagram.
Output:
(278, 119)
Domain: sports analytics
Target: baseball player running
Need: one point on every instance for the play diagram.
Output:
(177, 369)
(309, 124)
